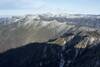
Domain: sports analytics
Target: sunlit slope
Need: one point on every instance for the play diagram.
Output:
(20, 33)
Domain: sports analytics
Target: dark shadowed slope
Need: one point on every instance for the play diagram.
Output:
(32, 55)
(52, 55)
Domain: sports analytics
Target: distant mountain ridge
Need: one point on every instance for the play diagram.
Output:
(78, 19)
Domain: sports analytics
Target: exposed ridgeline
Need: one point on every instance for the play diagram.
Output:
(82, 49)
(17, 31)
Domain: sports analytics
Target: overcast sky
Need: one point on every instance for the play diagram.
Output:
(18, 7)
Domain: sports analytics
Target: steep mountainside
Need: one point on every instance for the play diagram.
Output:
(50, 41)
(19, 30)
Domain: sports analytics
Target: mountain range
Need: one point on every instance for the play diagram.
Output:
(48, 40)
